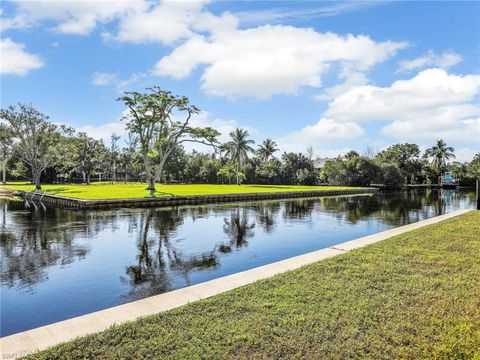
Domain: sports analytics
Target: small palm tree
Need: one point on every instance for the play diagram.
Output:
(224, 151)
(440, 153)
(239, 147)
(267, 149)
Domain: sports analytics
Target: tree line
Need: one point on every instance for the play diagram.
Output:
(159, 124)
(399, 165)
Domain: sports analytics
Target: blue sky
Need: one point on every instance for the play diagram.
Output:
(331, 75)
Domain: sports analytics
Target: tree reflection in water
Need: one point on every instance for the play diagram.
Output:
(265, 213)
(394, 208)
(33, 240)
(159, 263)
(238, 228)
(299, 209)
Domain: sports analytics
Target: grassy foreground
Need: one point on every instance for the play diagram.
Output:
(416, 295)
(105, 190)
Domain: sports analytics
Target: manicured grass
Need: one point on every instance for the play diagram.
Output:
(414, 296)
(106, 190)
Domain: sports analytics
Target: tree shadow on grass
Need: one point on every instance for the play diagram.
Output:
(158, 194)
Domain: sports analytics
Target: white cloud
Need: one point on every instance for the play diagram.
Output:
(465, 154)
(15, 60)
(257, 62)
(139, 21)
(165, 23)
(267, 60)
(350, 78)
(170, 21)
(72, 17)
(430, 59)
(104, 79)
(433, 104)
(104, 131)
(279, 14)
(111, 79)
(324, 131)
(448, 124)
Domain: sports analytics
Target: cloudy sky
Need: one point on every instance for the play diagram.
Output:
(332, 75)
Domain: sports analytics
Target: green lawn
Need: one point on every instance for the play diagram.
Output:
(106, 190)
(414, 296)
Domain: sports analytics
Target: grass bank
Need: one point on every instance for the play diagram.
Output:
(105, 190)
(415, 295)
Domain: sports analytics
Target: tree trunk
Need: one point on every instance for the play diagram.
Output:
(151, 183)
(4, 170)
(238, 170)
(38, 186)
(84, 177)
(114, 175)
(88, 179)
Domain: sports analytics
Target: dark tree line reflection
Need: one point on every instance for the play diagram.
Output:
(393, 207)
(299, 209)
(32, 241)
(157, 260)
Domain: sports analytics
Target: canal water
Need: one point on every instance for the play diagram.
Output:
(57, 264)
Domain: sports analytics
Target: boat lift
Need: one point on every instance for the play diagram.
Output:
(448, 180)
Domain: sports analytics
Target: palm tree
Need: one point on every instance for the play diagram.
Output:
(440, 153)
(239, 147)
(224, 151)
(266, 149)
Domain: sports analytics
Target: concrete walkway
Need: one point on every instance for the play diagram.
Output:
(20, 344)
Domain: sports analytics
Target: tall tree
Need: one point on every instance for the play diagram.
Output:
(162, 122)
(269, 171)
(114, 153)
(352, 170)
(440, 153)
(33, 133)
(91, 155)
(266, 149)
(65, 153)
(130, 157)
(292, 163)
(405, 157)
(6, 146)
(238, 148)
(473, 168)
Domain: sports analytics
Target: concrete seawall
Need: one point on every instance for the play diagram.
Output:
(71, 203)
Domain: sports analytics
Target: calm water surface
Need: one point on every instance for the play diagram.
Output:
(57, 264)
